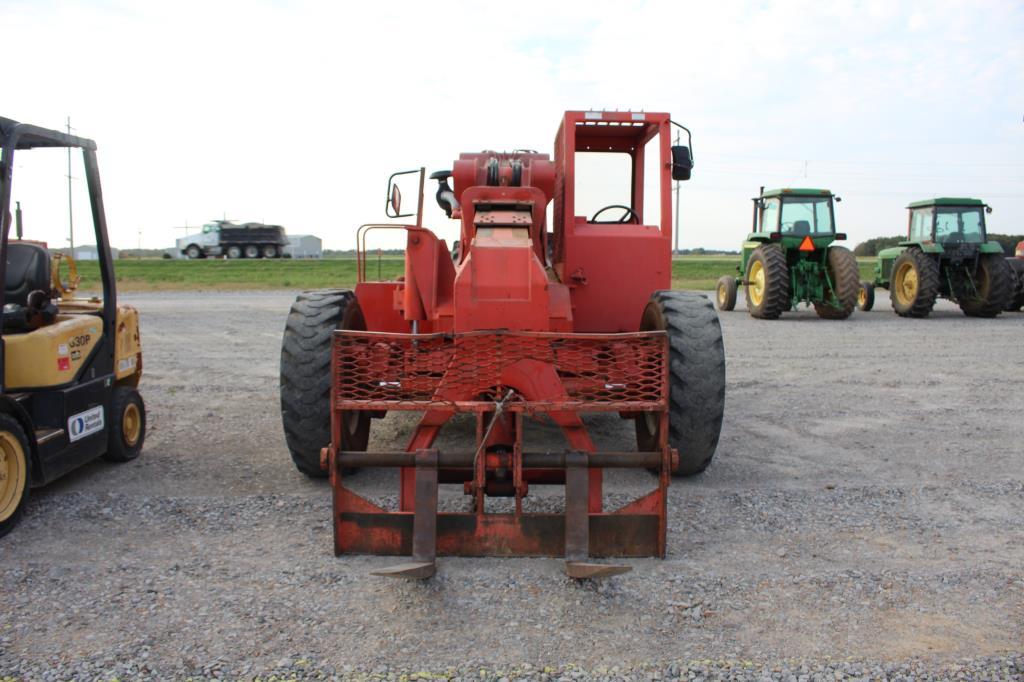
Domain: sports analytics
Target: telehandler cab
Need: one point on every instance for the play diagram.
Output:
(523, 324)
(71, 366)
(946, 254)
(789, 258)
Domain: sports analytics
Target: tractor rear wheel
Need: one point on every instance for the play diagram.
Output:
(993, 281)
(725, 293)
(1017, 270)
(15, 473)
(844, 273)
(767, 281)
(866, 296)
(696, 379)
(915, 283)
(306, 377)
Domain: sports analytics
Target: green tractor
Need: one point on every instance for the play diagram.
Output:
(946, 254)
(789, 258)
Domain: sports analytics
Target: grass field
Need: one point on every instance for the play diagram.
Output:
(688, 272)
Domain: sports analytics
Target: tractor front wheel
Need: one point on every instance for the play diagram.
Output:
(993, 281)
(866, 296)
(306, 377)
(696, 379)
(725, 293)
(15, 473)
(767, 281)
(844, 273)
(915, 283)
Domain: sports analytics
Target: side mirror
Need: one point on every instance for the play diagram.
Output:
(838, 199)
(682, 162)
(988, 209)
(395, 200)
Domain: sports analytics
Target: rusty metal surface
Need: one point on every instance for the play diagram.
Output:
(550, 371)
(529, 460)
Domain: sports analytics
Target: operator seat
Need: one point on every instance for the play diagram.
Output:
(27, 288)
(801, 227)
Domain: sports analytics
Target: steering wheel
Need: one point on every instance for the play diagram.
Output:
(629, 216)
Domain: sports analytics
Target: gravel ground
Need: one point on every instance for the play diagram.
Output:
(864, 517)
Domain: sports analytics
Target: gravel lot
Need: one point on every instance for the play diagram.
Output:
(864, 516)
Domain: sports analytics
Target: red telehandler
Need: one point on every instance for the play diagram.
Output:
(515, 323)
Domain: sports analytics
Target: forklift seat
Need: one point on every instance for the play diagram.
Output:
(28, 270)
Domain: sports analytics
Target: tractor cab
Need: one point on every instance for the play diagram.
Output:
(793, 214)
(948, 221)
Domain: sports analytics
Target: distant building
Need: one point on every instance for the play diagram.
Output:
(304, 246)
(89, 252)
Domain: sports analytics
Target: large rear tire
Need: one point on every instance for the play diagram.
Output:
(306, 377)
(696, 379)
(767, 282)
(845, 276)
(1017, 270)
(994, 283)
(914, 283)
(15, 473)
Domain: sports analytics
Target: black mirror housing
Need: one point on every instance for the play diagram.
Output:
(682, 163)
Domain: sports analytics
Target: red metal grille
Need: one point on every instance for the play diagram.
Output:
(465, 372)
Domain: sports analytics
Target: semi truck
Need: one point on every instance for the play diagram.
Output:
(225, 238)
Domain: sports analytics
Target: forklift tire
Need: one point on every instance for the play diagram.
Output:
(844, 272)
(306, 377)
(234, 252)
(725, 293)
(767, 282)
(15, 473)
(914, 284)
(127, 430)
(866, 296)
(994, 283)
(696, 379)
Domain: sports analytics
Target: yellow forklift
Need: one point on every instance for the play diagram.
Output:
(71, 366)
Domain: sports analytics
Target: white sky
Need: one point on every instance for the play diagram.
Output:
(296, 112)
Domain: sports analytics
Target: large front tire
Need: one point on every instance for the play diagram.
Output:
(914, 283)
(767, 282)
(696, 379)
(994, 283)
(306, 377)
(15, 473)
(845, 274)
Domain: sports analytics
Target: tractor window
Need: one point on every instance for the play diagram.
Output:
(603, 179)
(806, 215)
(770, 215)
(959, 225)
(921, 225)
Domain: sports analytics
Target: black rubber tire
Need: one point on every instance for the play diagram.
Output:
(696, 378)
(725, 293)
(306, 376)
(1017, 270)
(845, 275)
(233, 252)
(927, 270)
(253, 251)
(119, 448)
(193, 252)
(775, 300)
(269, 251)
(866, 296)
(10, 426)
(994, 282)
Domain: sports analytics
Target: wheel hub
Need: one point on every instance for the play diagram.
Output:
(12, 475)
(756, 287)
(131, 425)
(906, 283)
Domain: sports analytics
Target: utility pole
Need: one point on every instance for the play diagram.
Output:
(71, 217)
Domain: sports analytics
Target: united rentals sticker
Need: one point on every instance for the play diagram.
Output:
(85, 423)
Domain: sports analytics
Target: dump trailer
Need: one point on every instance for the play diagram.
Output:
(946, 254)
(789, 258)
(522, 324)
(69, 366)
(225, 238)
